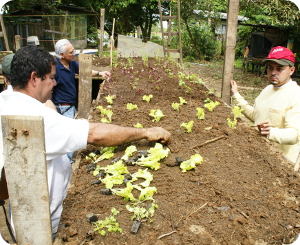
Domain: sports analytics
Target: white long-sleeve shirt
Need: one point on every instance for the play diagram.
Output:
(62, 135)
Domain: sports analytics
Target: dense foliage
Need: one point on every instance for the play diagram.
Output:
(198, 28)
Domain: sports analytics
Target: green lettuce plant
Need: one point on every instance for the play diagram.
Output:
(141, 213)
(138, 125)
(200, 113)
(191, 163)
(157, 114)
(110, 99)
(236, 113)
(147, 97)
(182, 101)
(211, 105)
(131, 106)
(110, 223)
(188, 126)
(175, 106)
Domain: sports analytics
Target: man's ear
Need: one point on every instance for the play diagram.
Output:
(33, 78)
(292, 70)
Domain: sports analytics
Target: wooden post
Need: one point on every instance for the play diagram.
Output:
(112, 43)
(65, 25)
(4, 33)
(50, 27)
(85, 85)
(17, 42)
(102, 13)
(26, 175)
(231, 33)
(138, 32)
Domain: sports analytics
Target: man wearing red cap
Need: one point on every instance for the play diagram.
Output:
(276, 111)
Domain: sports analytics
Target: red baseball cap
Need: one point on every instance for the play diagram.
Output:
(282, 56)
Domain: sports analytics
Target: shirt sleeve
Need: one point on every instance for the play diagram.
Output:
(248, 110)
(63, 134)
(290, 134)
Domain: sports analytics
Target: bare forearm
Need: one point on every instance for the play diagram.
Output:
(102, 134)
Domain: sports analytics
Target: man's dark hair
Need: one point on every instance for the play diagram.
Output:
(27, 60)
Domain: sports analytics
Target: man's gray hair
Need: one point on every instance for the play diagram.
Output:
(60, 47)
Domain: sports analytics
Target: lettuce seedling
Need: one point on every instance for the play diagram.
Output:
(110, 223)
(115, 174)
(131, 106)
(138, 125)
(155, 155)
(211, 105)
(110, 99)
(147, 97)
(191, 163)
(126, 193)
(200, 113)
(111, 180)
(182, 101)
(128, 152)
(141, 213)
(237, 112)
(146, 193)
(108, 148)
(188, 126)
(231, 124)
(116, 168)
(107, 154)
(157, 114)
(149, 162)
(104, 120)
(175, 106)
(144, 174)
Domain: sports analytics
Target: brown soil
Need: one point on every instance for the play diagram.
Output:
(242, 193)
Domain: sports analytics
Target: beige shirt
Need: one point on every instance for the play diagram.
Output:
(281, 107)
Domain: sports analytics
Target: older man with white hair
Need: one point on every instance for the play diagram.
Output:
(65, 92)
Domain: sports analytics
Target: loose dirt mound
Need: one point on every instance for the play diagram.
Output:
(242, 193)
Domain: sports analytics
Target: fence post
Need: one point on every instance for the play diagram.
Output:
(85, 85)
(26, 175)
(17, 42)
(231, 32)
(102, 12)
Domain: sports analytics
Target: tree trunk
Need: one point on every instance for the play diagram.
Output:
(192, 39)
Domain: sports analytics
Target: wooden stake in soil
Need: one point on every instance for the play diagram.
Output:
(209, 141)
(85, 85)
(26, 175)
(112, 42)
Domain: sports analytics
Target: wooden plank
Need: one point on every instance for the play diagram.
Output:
(4, 33)
(26, 175)
(100, 50)
(169, 17)
(228, 68)
(172, 34)
(17, 42)
(162, 28)
(85, 85)
(179, 29)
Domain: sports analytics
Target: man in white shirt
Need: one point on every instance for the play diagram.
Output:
(33, 79)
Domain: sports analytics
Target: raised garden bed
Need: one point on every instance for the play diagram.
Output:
(244, 192)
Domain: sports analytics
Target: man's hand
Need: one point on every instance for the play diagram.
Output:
(233, 86)
(158, 134)
(264, 128)
(105, 74)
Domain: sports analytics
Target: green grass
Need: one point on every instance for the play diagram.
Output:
(238, 63)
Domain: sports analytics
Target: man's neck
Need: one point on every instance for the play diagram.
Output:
(64, 62)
